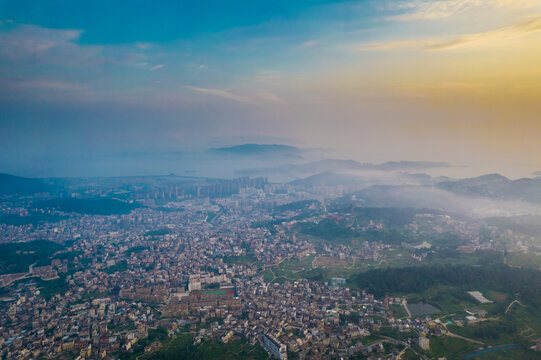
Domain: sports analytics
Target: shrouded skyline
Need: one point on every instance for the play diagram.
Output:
(450, 80)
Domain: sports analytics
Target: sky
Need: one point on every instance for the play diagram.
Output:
(441, 80)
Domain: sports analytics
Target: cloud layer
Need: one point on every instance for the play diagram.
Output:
(511, 32)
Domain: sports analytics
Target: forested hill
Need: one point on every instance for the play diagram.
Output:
(16, 185)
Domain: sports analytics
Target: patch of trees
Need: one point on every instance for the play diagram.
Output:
(387, 216)
(297, 205)
(97, 206)
(158, 232)
(525, 283)
(17, 257)
(329, 230)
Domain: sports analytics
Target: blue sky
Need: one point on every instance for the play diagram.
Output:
(113, 22)
(106, 77)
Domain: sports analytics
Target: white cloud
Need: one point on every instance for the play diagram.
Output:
(310, 43)
(258, 98)
(508, 32)
(271, 97)
(269, 77)
(224, 94)
(36, 44)
(43, 84)
(154, 68)
(428, 9)
(25, 46)
(143, 46)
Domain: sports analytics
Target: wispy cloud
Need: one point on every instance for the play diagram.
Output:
(154, 68)
(24, 46)
(224, 94)
(29, 43)
(428, 9)
(41, 88)
(448, 43)
(272, 97)
(49, 85)
(143, 46)
(269, 77)
(257, 98)
(309, 43)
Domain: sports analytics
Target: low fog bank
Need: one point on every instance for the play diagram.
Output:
(430, 197)
(389, 184)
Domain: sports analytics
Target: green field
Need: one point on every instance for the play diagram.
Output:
(243, 259)
(398, 311)
(295, 269)
(449, 347)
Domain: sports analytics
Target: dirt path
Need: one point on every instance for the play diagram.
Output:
(405, 306)
(512, 303)
(464, 338)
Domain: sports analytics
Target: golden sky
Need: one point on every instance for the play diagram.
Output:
(459, 80)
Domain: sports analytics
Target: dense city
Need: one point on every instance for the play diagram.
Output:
(212, 267)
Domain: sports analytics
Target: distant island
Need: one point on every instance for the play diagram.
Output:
(259, 149)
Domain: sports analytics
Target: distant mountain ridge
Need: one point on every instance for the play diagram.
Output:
(17, 185)
(365, 179)
(496, 186)
(336, 165)
(410, 165)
